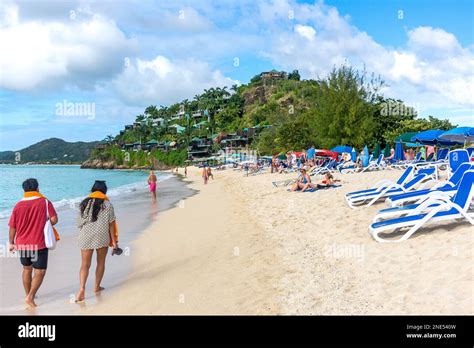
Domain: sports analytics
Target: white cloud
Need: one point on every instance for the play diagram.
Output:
(432, 40)
(305, 31)
(37, 54)
(162, 81)
(174, 53)
(432, 69)
(405, 66)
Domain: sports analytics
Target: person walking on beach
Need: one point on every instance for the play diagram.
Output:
(152, 183)
(97, 231)
(209, 173)
(205, 176)
(185, 171)
(26, 235)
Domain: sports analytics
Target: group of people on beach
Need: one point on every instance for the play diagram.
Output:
(307, 158)
(28, 223)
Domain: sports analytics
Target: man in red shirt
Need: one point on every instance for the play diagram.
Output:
(27, 237)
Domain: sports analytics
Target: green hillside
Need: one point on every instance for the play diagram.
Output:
(344, 108)
(52, 150)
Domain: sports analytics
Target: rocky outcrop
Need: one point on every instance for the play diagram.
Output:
(257, 94)
(99, 164)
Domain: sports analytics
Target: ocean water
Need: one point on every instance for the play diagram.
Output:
(66, 186)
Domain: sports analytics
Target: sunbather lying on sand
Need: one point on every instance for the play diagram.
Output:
(327, 182)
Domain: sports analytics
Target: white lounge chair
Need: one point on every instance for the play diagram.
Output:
(419, 181)
(442, 208)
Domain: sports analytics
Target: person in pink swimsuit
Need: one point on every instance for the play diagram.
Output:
(152, 183)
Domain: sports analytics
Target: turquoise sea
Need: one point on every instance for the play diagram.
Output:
(66, 185)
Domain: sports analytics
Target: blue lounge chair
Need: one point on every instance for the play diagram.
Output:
(442, 208)
(422, 177)
(375, 165)
(325, 168)
(379, 186)
(447, 187)
(470, 152)
(404, 164)
(354, 168)
(456, 158)
(439, 162)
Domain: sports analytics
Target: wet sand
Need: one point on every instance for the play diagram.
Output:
(134, 213)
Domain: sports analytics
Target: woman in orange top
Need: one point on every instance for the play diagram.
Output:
(97, 231)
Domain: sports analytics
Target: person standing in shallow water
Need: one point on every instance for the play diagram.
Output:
(26, 235)
(96, 223)
(152, 183)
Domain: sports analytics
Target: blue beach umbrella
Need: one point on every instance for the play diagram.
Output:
(399, 154)
(386, 151)
(353, 155)
(460, 135)
(431, 137)
(366, 150)
(341, 149)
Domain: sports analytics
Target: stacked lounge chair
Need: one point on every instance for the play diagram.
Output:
(435, 208)
(421, 178)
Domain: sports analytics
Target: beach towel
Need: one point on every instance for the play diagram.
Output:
(34, 195)
(321, 187)
(100, 195)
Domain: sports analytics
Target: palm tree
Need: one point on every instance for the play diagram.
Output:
(151, 111)
(108, 139)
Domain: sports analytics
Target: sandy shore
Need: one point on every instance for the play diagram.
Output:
(134, 212)
(242, 246)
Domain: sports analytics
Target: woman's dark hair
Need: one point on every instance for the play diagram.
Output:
(98, 203)
(99, 185)
(30, 184)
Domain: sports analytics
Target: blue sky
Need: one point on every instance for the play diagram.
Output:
(125, 55)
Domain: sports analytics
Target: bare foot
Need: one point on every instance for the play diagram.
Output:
(80, 297)
(99, 289)
(30, 302)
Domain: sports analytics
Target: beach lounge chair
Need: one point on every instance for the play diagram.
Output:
(456, 158)
(447, 187)
(422, 177)
(356, 169)
(470, 152)
(438, 163)
(406, 163)
(325, 168)
(375, 165)
(379, 186)
(442, 208)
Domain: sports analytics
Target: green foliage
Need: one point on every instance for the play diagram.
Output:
(294, 75)
(172, 158)
(344, 108)
(416, 125)
(53, 150)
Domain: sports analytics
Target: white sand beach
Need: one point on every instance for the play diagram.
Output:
(242, 246)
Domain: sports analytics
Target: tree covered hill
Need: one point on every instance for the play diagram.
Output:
(346, 107)
(52, 150)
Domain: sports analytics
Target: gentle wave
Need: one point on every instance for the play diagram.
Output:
(72, 203)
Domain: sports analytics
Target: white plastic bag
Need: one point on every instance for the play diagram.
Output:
(49, 237)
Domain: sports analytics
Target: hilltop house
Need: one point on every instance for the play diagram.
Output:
(274, 75)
